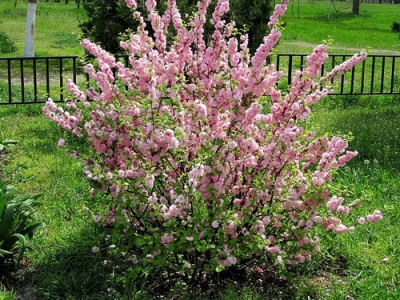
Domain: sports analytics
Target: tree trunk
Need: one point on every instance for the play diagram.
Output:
(30, 29)
(356, 7)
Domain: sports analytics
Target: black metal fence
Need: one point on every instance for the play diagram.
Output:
(33, 80)
(376, 75)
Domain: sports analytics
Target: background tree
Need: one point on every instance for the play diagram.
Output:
(30, 29)
(252, 15)
(109, 18)
(356, 7)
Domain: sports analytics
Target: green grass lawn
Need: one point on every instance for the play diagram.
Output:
(371, 30)
(363, 264)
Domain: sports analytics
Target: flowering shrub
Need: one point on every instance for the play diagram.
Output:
(207, 162)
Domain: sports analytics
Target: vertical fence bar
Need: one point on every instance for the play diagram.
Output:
(352, 80)
(47, 77)
(372, 74)
(87, 80)
(333, 65)
(322, 69)
(9, 80)
(277, 62)
(61, 79)
(342, 79)
(392, 77)
(35, 91)
(301, 62)
(362, 76)
(74, 69)
(290, 69)
(21, 66)
(382, 73)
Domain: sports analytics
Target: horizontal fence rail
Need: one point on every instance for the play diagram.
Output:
(35, 79)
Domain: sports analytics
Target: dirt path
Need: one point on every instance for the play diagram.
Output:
(350, 49)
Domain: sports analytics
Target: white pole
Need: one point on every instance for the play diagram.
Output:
(30, 29)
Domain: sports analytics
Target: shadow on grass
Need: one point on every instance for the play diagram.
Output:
(373, 123)
(333, 17)
(70, 270)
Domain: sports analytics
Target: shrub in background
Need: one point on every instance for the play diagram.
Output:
(207, 163)
(109, 20)
(396, 27)
(6, 44)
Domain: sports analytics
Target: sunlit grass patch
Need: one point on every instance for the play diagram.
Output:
(374, 126)
(317, 21)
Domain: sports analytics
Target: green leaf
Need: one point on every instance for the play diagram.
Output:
(6, 221)
(22, 240)
(31, 228)
(4, 252)
(9, 142)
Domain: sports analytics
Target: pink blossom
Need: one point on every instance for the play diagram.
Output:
(166, 239)
(375, 217)
(109, 176)
(334, 203)
(231, 260)
(61, 142)
(149, 181)
(131, 3)
(318, 219)
(96, 218)
(215, 224)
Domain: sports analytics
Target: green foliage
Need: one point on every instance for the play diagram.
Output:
(252, 15)
(4, 294)
(18, 222)
(6, 44)
(108, 20)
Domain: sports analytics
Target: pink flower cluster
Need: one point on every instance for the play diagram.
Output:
(375, 217)
(201, 148)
